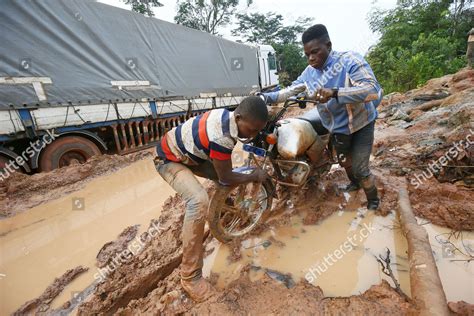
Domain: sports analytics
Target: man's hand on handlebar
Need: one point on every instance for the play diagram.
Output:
(323, 95)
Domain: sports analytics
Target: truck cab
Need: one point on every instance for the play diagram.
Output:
(267, 66)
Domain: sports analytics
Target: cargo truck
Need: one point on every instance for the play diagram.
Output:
(80, 78)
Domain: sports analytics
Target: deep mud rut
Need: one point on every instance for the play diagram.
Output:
(249, 275)
(21, 192)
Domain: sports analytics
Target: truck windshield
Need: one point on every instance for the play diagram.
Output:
(271, 62)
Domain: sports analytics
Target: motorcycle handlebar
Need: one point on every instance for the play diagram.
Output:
(301, 100)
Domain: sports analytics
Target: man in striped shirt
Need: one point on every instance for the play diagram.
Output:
(202, 146)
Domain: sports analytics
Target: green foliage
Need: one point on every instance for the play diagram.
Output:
(206, 15)
(292, 62)
(419, 40)
(269, 29)
(144, 6)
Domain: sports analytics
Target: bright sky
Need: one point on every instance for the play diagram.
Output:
(346, 20)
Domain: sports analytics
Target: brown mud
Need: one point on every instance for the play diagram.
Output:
(20, 192)
(149, 282)
(426, 136)
(41, 304)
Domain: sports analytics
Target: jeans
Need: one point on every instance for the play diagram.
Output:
(353, 151)
(182, 179)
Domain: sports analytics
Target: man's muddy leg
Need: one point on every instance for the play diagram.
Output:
(182, 179)
(342, 143)
(362, 142)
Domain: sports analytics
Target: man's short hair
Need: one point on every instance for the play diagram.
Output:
(253, 108)
(317, 31)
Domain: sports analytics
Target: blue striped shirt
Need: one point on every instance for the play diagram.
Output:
(359, 92)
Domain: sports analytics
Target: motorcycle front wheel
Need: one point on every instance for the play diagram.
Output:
(236, 211)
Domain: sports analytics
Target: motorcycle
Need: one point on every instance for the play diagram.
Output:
(293, 152)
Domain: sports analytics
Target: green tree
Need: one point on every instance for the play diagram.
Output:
(144, 6)
(268, 28)
(292, 62)
(206, 15)
(419, 40)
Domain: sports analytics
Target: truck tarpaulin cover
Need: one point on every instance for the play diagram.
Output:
(60, 51)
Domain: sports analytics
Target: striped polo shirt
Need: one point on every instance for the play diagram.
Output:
(211, 135)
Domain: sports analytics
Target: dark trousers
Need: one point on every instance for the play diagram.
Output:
(353, 152)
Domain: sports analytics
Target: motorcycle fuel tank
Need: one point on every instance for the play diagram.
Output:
(295, 136)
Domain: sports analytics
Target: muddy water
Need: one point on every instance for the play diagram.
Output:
(41, 244)
(450, 252)
(338, 255)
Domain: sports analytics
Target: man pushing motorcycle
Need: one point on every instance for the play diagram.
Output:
(347, 93)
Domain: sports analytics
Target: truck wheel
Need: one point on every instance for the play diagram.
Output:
(65, 151)
(3, 162)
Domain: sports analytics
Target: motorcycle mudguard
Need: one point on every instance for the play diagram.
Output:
(247, 170)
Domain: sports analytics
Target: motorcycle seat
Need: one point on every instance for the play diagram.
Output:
(312, 116)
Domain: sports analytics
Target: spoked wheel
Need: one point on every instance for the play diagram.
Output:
(236, 211)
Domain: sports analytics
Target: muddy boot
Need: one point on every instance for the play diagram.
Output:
(191, 266)
(199, 290)
(354, 184)
(368, 184)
